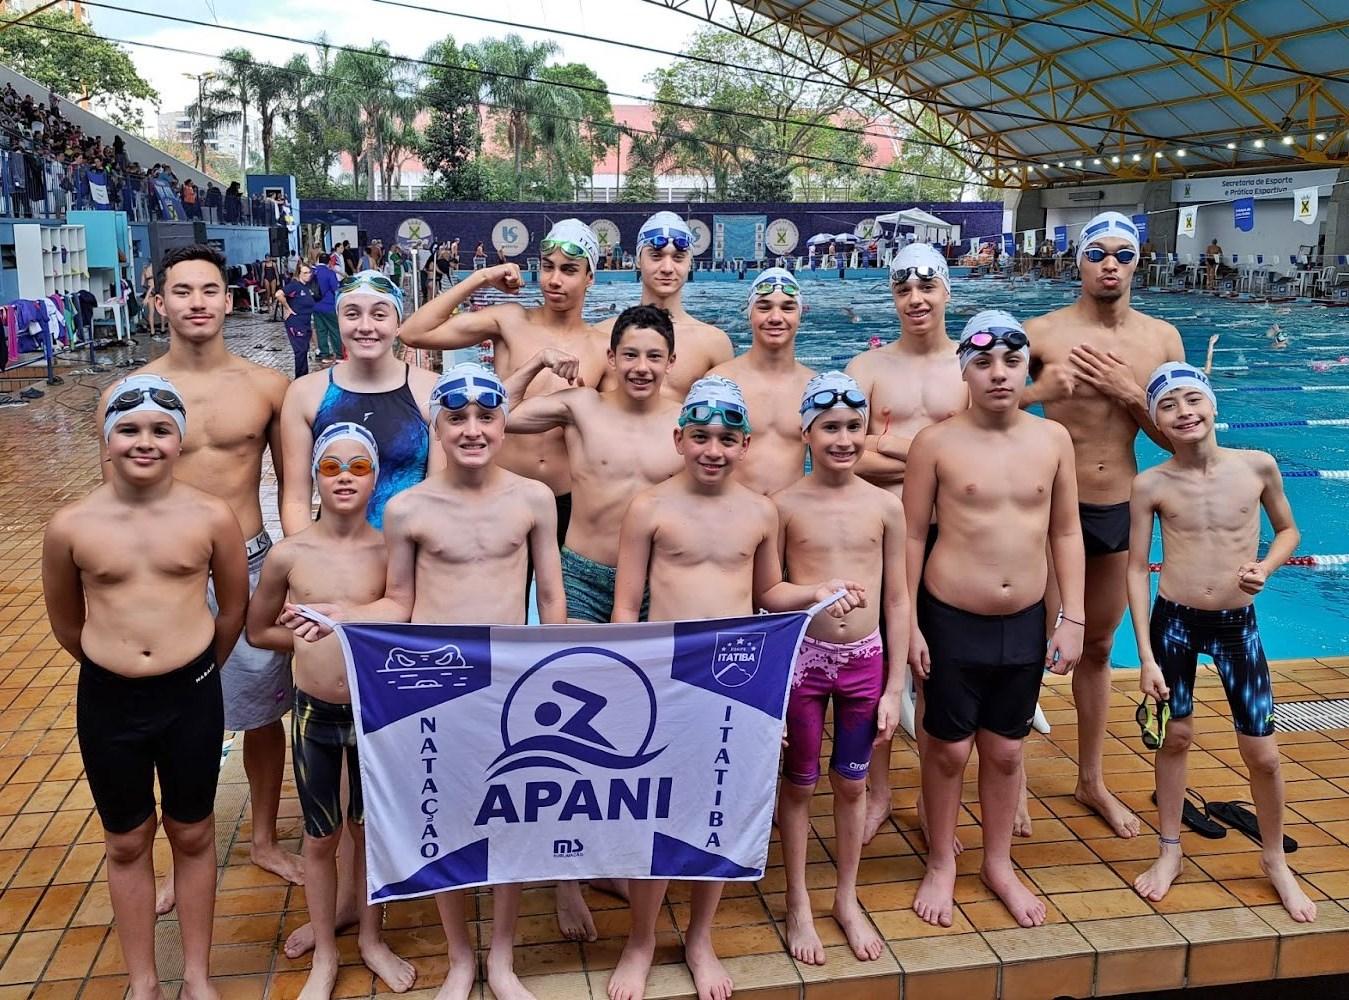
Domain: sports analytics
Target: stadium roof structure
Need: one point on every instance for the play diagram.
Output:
(1031, 92)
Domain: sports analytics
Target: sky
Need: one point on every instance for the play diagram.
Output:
(407, 32)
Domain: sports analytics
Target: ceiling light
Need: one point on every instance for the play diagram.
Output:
(1114, 159)
(1231, 145)
(1320, 137)
(1157, 155)
(1096, 162)
(1288, 140)
(1137, 157)
(1077, 163)
(1259, 144)
(1181, 152)
(1060, 164)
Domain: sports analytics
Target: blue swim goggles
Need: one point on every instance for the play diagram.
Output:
(663, 236)
(732, 416)
(458, 393)
(827, 399)
(1125, 255)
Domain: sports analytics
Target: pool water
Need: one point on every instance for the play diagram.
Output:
(1303, 612)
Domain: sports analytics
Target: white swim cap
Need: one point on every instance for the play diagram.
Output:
(146, 391)
(774, 279)
(714, 391)
(344, 430)
(666, 224)
(577, 232)
(835, 389)
(466, 383)
(1177, 375)
(923, 258)
(1103, 226)
(995, 322)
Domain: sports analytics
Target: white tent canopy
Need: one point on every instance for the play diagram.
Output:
(915, 217)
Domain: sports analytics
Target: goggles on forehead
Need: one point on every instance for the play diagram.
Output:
(568, 248)
(457, 394)
(1125, 255)
(663, 236)
(827, 399)
(771, 285)
(378, 282)
(129, 399)
(925, 273)
(733, 416)
(985, 340)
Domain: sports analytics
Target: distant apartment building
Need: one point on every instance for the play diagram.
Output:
(226, 139)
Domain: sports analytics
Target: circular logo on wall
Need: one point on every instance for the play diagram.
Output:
(702, 236)
(414, 230)
(607, 233)
(511, 237)
(781, 237)
(867, 229)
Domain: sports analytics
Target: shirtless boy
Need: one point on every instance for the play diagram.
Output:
(1003, 485)
(617, 443)
(910, 384)
(236, 416)
(116, 567)
(472, 575)
(1090, 360)
(696, 573)
(568, 257)
(1208, 499)
(772, 380)
(664, 260)
(338, 560)
(833, 523)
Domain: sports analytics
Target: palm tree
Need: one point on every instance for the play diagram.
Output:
(233, 85)
(269, 85)
(372, 92)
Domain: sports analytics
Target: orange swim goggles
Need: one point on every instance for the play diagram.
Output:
(358, 466)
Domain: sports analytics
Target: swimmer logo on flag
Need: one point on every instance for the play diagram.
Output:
(495, 754)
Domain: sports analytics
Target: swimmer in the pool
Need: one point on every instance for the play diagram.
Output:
(1278, 340)
(832, 522)
(665, 245)
(1208, 500)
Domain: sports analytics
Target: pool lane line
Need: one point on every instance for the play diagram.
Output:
(1281, 388)
(1251, 425)
(1315, 473)
(1328, 561)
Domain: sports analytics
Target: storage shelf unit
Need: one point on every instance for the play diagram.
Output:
(51, 259)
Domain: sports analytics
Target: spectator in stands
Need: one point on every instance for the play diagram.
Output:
(214, 199)
(190, 201)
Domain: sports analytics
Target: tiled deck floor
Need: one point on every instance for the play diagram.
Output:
(1221, 923)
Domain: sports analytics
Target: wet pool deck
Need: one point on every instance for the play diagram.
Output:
(1221, 923)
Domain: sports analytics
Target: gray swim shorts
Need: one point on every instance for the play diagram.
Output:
(257, 682)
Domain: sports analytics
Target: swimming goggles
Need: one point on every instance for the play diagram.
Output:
(459, 393)
(378, 282)
(1125, 255)
(129, 399)
(771, 285)
(358, 466)
(568, 248)
(729, 414)
(985, 340)
(927, 273)
(827, 399)
(662, 237)
(1152, 717)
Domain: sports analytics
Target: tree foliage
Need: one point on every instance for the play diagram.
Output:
(62, 53)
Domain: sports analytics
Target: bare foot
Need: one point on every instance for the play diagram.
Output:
(148, 990)
(802, 939)
(502, 979)
(1116, 815)
(459, 980)
(936, 896)
(397, 974)
(322, 977)
(1294, 900)
(956, 845)
(573, 915)
(301, 940)
(878, 811)
(865, 943)
(165, 899)
(612, 886)
(709, 975)
(270, 857)
(197, 989)
(1026, 908)
(1155, 883)
(628, 980)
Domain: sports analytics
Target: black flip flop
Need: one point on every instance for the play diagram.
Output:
(1194, 818)
(1241, 819)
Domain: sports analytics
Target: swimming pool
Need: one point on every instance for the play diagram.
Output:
(1303, 612)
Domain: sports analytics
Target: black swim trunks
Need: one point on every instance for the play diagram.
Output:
(1180, 633)
(132, 728)
(322, 733)
(986, 669)
(1105, 527)
(563, 503)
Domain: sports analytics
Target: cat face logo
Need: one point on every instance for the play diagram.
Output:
(410, 669)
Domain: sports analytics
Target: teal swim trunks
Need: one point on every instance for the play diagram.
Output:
(590, 589)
